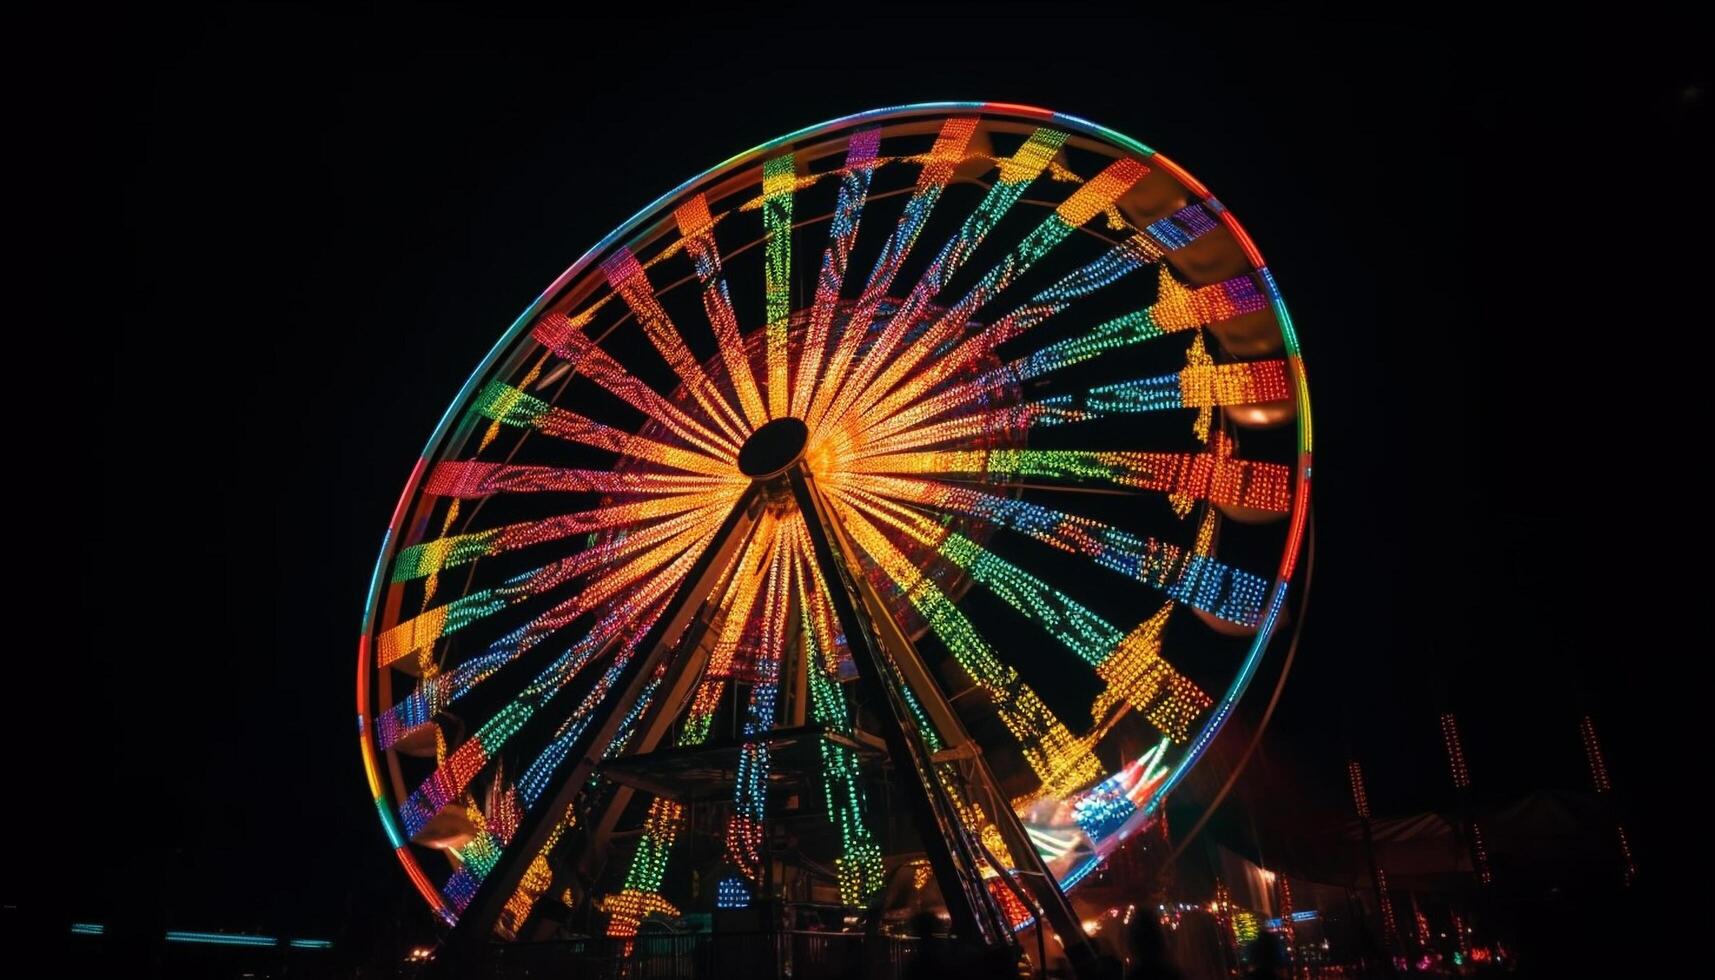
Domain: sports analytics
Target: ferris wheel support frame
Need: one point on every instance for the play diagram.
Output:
(875, 641)
(868, 620)
(474, 928)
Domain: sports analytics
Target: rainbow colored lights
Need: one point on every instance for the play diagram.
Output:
(1216, 476)
(985, 399)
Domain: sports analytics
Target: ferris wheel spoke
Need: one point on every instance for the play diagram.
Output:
(566, 338)
(737, 607)
(1167, 698)
(697, 231)
(817, 607)
(641, 890)
(451, 778)
(638, 897)
(750, 784)
(1060, 760)
(1193, 579)
(830, 278)
(737, 602)
(470, 479)
(1216, 476)
(495, 829)
(1177, 307)
(537, 879)
(1017, 173)
(628, 278)
(1096, 196)
(602, 724)
(641, 894)
(537, 777)
(435, 693)
(419, 632)
(1199, 386)
(480, 856)
(439, 690)
(833, 650)
(438, 554)
(736, 596)
(859, 868)
(779, 181)
(997, 422)
(509, 406)
(938, 168)
(897, 409)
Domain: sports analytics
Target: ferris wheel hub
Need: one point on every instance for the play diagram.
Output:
(773, 448)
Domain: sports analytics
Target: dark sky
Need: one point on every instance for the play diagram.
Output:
(304, 229)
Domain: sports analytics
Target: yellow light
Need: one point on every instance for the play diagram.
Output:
(1136, 675)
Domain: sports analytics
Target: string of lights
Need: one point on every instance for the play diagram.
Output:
(697, 231)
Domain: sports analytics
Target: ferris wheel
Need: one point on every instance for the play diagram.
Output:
(919, 490)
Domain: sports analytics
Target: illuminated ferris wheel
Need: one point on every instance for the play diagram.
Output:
(918, 490)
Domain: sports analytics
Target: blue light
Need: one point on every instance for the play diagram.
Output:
(731, 894)
(1079, 872)
(311, 944)
(221, 939)
(88, 929)
(1305, 916)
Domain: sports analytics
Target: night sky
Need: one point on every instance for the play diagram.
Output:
(305, 228)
